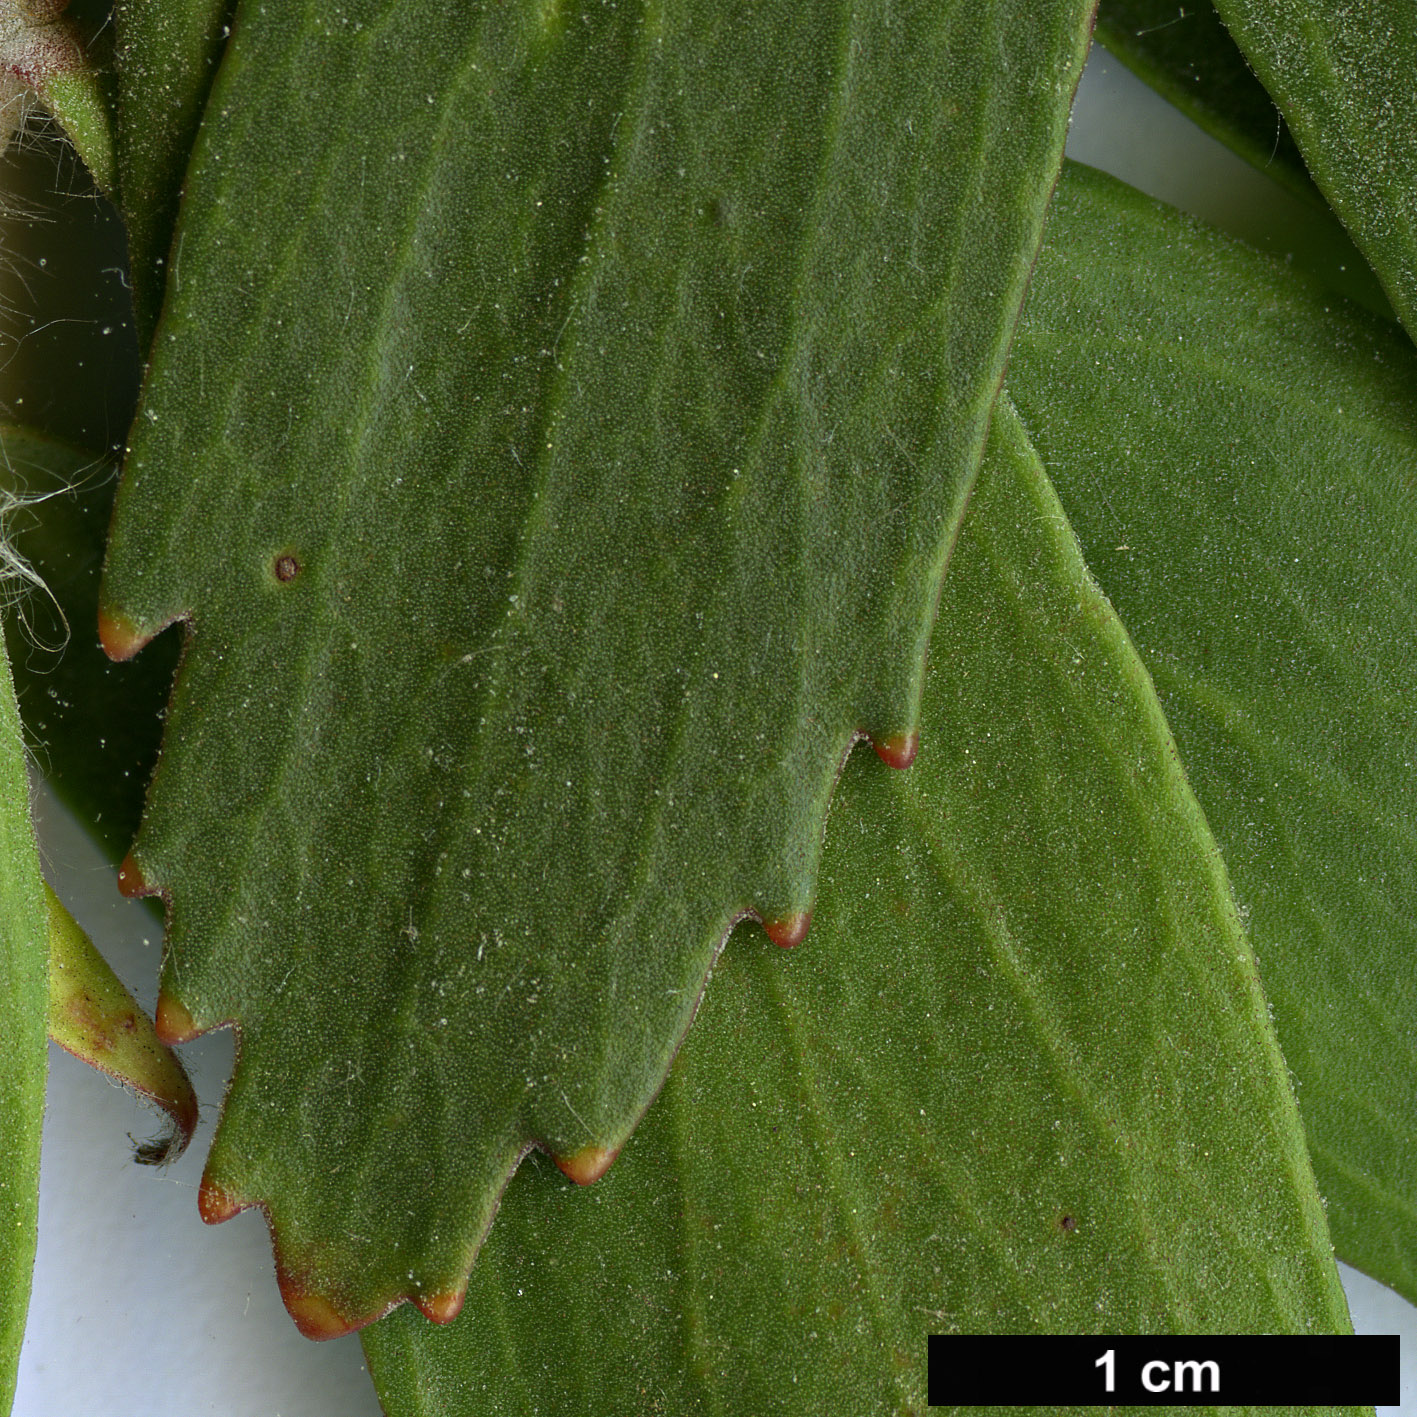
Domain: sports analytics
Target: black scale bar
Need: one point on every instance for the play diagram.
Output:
(1134, 1371)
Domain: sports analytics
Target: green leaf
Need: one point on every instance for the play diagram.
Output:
(93, 726)
(166, 59)
(77, 100)
(93, 1016)
(1238, 451)
(1186, 54)
(1342, 76)
(1021, 1079)
(24, 937)
(43, 54)
(556, 432)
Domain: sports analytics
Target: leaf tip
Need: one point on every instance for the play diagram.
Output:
(789, 931)
(442, 1308)
(313, 1314)
(215, 1203)
(131, 881)
(183, 1110)
(91, 1015)
(898, 750)
(120, 638)
(173, 1022)
(588, 1164)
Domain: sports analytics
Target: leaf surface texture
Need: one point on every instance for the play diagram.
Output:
(1342, 76)
(1186, 54)
(24, 941)
(584, 399)
(1023, 1081)
(1238, 451)
(166, 58)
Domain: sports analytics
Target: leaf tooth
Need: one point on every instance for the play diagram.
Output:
(216, 1204)
(897, 750)
(314, 1315)
(788, 930)
(442, 1308)
(120, 637)
(131, 881)
(173, 1022)
(588, 1164)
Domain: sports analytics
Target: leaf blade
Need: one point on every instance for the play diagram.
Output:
(668, 540)
(1186, 54)
(1240, 484)
(926, 1124)
(1341, 77)
(23, 957)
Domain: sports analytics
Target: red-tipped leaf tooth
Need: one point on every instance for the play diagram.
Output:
(790, 930)
(899, 750)
(131, 881)
(120, 638)
(314, 1315)
(172, 1021)
(215, 1203)
(588, 1164)
(442, 1308)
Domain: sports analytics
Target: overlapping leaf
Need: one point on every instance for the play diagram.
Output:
(1342, 76)
(23, 953)
(1238, 451)
(92, 1015)
(166, 60)
(69, 694)
(1022, 1078)
(559, 421)
(1186, 53)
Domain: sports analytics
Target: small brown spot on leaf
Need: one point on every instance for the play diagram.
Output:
(1067, 1223)
(286, 567)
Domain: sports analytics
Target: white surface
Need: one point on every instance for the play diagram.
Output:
(138, 1307)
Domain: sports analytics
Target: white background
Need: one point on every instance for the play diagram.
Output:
(138, 1307)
